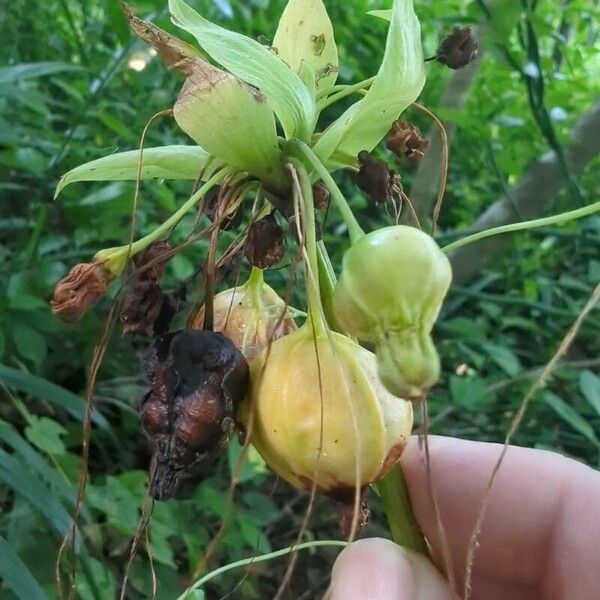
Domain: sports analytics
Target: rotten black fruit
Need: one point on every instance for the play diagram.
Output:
(197, 380)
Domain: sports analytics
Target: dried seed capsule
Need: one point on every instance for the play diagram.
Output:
(83, 285)
(405, 139)
(318, 414)
(374, 178)
(251, 316)
(458, 49)
(264, 246)
(390, 292)
(198, 379)
(150, 263)
(321, 196)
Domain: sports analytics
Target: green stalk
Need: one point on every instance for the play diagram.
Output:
(355, 231)
(315, 307)
(524, 225)
(115, 258)
(327, 281)
(342, 92)
(398, 510)
(187, 595)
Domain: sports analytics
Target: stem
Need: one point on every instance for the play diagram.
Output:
(344, 91)
(256, 559)
(560, 218)
(355, 231)
(255, 284)
(396, 502)
(315, 307)
(327, 281)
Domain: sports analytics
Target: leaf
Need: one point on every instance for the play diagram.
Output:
(166, 162)
(16, 575)
(386, 14)
(175, 53)
(589, 384)
(305, 35)
(30, 343)
(253, 466)
(504, 358)
(48, 391)
(568, 414)
(469, 393)
(255, 64)
(16, 476)
(46, 434)
(231, 120)
(398, 83)
(22, 71)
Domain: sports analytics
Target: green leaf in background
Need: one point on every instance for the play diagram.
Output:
(46, 434)
(305, 35)
(167, 162)
(469, 392)
(397, 84)
(255, 64)
(16, 575)
(50, 392)
(568, 414)
(253, 466)
(589, 384)
(22, 71)
(504, 357)
(29, 342)
(17, 477)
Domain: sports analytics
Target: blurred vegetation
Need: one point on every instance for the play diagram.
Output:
(69, 94)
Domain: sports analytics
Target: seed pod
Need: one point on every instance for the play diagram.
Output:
(264, 246)
(374, 178)
(326, 421)
(321, 196)
(150, 263)
(197, 381)
(251, 316)
(390, 292)
(405, 139)
(83, 285)
(458, 49)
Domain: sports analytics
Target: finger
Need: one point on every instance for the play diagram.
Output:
(377, 569)
(533, 531)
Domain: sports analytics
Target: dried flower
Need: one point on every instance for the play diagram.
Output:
(84, 284)
(374, 178)
(405, 139)
(458, 49)
(198, 379)
(264, 246)
(150, 263)
(321, 196)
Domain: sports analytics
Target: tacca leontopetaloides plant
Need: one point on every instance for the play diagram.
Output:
(324, 412)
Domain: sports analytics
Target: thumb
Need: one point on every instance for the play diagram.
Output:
(377, 569)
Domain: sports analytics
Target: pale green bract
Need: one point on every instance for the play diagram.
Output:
(166, 162)
(255, 64)
(231, 120)
(305, 35)
(397, 84)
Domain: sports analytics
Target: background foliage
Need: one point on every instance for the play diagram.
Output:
(68, 94)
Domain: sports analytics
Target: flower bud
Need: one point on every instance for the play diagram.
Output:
(251, 316)
(405, 139)
(83, 285)
(458, 49)
(390, 292)
(318, 414)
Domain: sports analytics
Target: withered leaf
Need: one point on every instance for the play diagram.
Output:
(175, 53)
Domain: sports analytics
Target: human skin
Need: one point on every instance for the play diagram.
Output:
(539, 541)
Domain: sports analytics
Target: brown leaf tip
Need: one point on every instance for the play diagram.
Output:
(405, 139)
(458, 49)
(83, 285)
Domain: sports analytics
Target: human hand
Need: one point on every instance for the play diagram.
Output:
(539, 540)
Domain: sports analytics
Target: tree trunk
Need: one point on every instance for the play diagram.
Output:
(535, 191)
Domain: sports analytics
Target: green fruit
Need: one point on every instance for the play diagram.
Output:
(390, 293)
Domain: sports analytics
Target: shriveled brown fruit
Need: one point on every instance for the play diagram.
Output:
(374, 178)
(197, 380)
(210, 206)
(83, 285)
(264, 245)
(458, 49)
(146, 308)
(321, 196)
(405, 139)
